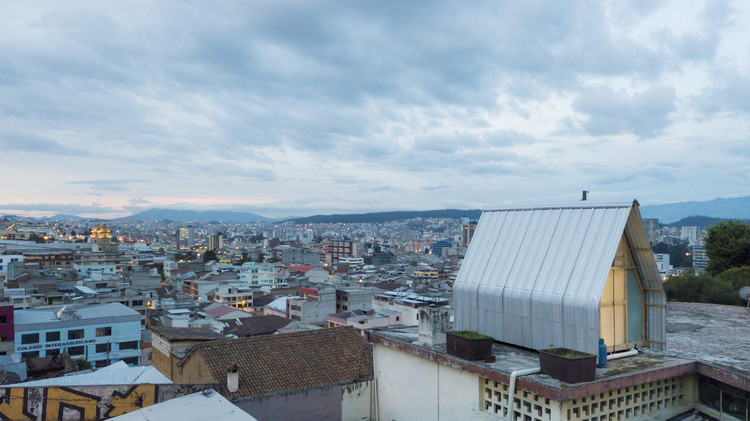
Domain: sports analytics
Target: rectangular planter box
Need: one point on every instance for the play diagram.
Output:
(470, 349)
(568, 369)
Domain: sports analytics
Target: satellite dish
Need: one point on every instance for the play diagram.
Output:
(745, 293)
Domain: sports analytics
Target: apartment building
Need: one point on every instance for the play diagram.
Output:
(101, 334)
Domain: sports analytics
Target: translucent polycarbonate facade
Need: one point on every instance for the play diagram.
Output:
(534, 277)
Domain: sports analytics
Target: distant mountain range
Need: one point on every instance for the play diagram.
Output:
(695, 221)
(63, 216)
(705, 213)
(379, 217)
(731, 208)
(194, 216)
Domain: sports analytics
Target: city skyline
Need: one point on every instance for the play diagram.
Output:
(282, 108)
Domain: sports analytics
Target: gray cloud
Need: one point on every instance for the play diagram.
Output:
(109, 185)
(729, 94)
(18, 140)
(182, 93)
(58, 207)
(611, 112)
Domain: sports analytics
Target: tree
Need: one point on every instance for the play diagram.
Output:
(728, 246)
(82, 363)
(209, 255)
(703, 288)
(260, 258)
(737, 278)
(679, 253)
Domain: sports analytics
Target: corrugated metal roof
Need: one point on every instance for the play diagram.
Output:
(201, 406)
(535, 276)
(117, 373)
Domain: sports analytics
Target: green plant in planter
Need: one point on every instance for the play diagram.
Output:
(567, 365)
(567, 353)
(469, 334)
(468, 344)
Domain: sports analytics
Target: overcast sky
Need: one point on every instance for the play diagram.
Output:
(298, 108)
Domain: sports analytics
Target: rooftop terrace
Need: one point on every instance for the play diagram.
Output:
(701, 338)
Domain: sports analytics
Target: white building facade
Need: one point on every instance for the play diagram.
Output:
(257, 274)
(101, 334)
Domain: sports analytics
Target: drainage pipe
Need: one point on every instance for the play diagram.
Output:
(623, 354)
(512, 388)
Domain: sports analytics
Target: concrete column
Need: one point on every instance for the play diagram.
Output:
(433, 323)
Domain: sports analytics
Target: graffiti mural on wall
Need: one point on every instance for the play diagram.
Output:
(85, 402)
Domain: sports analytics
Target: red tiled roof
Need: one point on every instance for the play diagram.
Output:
(269, 364)
(260, 325)
(220, 310)
(300, 268)
(186, 333)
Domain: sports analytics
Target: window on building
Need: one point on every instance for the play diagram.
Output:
(100, 364)
(103, 347)
(3, 318)
(723, 398)
(30, 354)
(75, 334)
(137, 303)
(130, 361)
(53, 336)
(30, 338)
(129, 345)
(54, 351)
(3, 337)
(75, 350)
(397, 318)
(103, 331)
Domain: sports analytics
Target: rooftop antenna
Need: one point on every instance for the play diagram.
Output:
(745, 295)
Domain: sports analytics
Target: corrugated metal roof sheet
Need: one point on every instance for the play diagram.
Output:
(117, 373)
(535, 276)
(201, 406)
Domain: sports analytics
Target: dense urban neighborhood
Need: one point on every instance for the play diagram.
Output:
(286, 318)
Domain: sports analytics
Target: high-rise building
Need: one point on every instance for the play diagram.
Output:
(651, 226)
(468, 232)
(338, 248)
(214, 242)
(187, 237)
(700, 258)
(438, 246)
(690, 234)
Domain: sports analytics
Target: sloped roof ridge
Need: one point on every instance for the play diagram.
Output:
(219, 342)
(587, 205)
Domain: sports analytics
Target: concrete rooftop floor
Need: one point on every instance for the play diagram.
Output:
(713, 334)
(717, 335)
